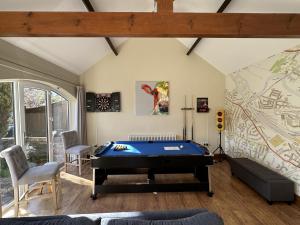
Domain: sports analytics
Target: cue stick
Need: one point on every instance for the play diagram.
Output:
(192, 119)
(207, 129)
(183, 123)
(96, 135)
(184, 115)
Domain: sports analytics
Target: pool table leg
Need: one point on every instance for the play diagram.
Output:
(210, 185)
(99, 176)
(151, 177)
(203, 174)
(94, 194)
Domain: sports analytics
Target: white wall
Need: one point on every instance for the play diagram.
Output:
(231, 54)
(153, 59)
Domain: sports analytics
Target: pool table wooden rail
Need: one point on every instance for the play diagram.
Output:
(178, 161)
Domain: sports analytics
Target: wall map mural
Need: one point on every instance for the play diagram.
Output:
(263, 113)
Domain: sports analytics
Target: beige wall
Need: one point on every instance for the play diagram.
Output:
(151, 60)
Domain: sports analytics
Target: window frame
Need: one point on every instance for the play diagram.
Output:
(15, 124)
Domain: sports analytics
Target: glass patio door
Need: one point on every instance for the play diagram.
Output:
(59, 123)
(32, 115)
(35, 125)
(44, 115)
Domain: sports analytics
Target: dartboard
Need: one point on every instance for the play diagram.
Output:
(103, 103)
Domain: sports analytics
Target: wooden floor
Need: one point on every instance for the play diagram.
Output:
(235, 202)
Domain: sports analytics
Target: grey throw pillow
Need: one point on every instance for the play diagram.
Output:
(205, 218)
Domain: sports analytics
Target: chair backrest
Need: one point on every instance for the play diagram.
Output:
(16, 161)
(70, 138)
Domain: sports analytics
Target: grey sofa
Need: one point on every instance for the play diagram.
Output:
(269, 184)
(175, 217)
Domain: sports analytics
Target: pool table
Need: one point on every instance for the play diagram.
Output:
(151, 157)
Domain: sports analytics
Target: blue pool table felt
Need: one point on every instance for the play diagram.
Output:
(145, 148)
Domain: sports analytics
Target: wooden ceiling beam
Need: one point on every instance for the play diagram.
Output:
(90, 8)
(128, 24)
(220, 10)
(164, 6)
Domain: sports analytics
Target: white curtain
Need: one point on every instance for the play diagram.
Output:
(81, 115)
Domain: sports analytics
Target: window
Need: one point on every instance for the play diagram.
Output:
(60, 123)
(32, 115)
(36, 126)
(7, 137)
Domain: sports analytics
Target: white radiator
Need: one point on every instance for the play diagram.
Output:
(152, 137)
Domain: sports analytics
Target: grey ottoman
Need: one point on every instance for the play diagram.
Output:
(269, 184)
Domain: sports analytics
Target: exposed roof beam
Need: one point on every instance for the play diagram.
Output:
(90, 8)
(88, 5)
(220, 10)
(164, 6)
(111, 45)
(223, 6)
(129, 24)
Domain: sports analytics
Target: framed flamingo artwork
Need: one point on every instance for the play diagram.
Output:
(152, 98)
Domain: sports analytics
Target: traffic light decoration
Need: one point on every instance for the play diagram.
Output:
(220, 120)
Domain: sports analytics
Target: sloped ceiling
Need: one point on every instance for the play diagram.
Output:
(79, 54)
